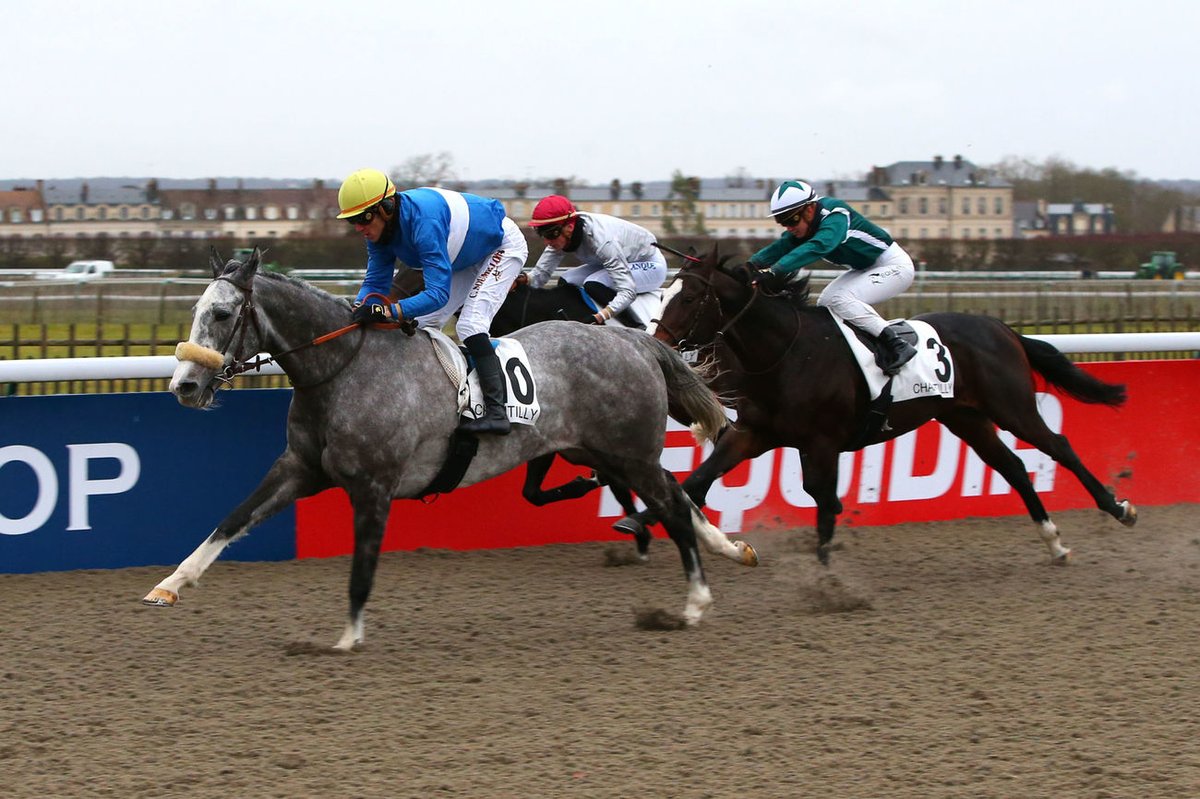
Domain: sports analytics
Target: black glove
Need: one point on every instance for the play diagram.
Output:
(368, 313)
(770, 282)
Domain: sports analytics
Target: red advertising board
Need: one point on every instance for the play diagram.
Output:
(1144, 449)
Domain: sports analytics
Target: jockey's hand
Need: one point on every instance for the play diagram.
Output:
(769, 281)
(369, 313)
(522, 279)
(602, 317)
(409, 326)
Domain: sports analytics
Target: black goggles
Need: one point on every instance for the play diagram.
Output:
(362, 219)
(789, 218)
(550, 231)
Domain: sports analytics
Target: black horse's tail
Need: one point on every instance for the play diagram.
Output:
(691, 400)
(1058, 371)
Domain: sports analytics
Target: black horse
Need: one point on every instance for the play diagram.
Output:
(526, 305)
(797, 385)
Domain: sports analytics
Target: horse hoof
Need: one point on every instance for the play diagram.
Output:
(160, 598)
(1129, 517)
(631, 526)
(749, 556)
(1061, 559)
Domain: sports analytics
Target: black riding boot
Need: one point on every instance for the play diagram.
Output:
(491, 384)
(898, 351)
(603, 295)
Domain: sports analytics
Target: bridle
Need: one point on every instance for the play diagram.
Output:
(710, 297)
(247, 317)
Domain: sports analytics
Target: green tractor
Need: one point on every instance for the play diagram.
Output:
(242, 253)
(1162, 266)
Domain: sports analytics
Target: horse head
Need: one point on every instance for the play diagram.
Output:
(699, 302)
(225, 331)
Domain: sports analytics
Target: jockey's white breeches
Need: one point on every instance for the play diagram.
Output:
(852, 293)
(482, 289)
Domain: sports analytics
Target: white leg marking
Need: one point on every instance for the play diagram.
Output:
(1049, 533)
(717, 543)
(352, 636)
(188, 573)
(699, 598)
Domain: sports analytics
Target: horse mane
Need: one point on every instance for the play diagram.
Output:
(796, 291)
(298, 283)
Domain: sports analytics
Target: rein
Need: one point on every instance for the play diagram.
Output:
(242, 364)
(711, 295)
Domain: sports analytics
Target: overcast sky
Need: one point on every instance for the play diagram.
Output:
(596, 90)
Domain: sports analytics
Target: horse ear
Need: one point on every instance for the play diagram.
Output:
(214, 260)
(246, 271)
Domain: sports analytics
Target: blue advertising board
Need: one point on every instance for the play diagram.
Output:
(113, 480)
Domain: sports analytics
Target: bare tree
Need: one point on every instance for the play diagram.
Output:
(427, 169)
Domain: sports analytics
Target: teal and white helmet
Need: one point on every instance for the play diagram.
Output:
(791, 195)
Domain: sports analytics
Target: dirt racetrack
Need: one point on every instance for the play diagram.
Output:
(930, 660)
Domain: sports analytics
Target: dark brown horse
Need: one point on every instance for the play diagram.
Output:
(797, 384)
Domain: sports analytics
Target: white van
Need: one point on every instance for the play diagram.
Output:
(85, 270)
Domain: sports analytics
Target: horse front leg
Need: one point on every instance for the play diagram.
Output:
(287, 480)
(370, 520)
(735, 446)
(820, 468)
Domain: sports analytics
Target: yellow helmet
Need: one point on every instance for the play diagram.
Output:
(362, 190)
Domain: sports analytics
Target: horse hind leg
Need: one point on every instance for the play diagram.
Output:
(1056, 445)
(980, 435)
(665, 498)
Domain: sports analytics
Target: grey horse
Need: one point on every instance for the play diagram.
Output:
(373, 412)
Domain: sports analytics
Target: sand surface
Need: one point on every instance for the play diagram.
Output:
(930, 660)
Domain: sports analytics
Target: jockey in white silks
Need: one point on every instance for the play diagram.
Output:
(619, 259)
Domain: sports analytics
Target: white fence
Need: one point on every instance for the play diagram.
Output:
(158, 366)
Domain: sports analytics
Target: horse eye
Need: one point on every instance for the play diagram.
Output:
(221, 314)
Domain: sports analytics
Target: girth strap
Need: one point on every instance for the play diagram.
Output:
(463, 446)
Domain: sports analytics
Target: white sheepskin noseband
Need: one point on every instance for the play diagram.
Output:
(208, 358)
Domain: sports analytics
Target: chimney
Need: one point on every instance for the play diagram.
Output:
(937, 162)
(152, 190)
(212, 185)
(830, 189)
(614, 189)
(958, 162)
(560, 186)
(318, 184)
(636, 188)
(41, 186)
(83, 193)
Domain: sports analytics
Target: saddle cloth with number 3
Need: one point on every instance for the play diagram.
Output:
(929, 374)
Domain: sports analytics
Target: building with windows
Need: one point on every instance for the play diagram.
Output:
(940, 199)
(914, 200)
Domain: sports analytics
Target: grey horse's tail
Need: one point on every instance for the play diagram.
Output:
(691, 400)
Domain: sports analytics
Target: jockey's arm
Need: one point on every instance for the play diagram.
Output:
(829, 236)
(613, 260)
(381, 266)
(545, 266)
(435, 268)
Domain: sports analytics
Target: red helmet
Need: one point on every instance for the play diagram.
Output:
(552, 210)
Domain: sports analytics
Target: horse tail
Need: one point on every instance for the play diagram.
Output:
(688, 394)
(1059, 371)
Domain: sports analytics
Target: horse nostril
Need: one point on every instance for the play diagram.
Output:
(186, 388)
